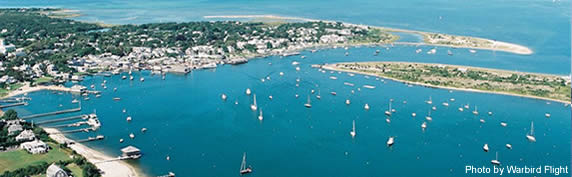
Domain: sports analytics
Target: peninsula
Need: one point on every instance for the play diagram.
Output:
(533, 85)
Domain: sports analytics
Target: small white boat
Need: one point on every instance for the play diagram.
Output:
(432, 51)
(131, 78)
(254, 106)
(124, 110)
(260, 117)
(121, 140)
(296, 95)
(75, 101)
(281, 73)
(547, 115)
(270, 97)
(461, 109)
(128, 118)
(333, 93)
(347, 102)
(424, 125)
(472, 51)
(387, 120)
(490, 113)
(486, 148)
(366, 107)
(388, 112)
(413, 114)
(248, 92)
(452, 99)
(508, 146)
(428, 117)
(333, 77)
(390, 141)
(143, 130)
(445, 104)
(123, 77)
(297, 68)
(503, 124)
(418, 51)
(429, 101)
(482, 120)
(308, 105)
(496, 161)
(369, 86)
(530, 136)
(223, 97)
(243, 168)
(353, 132)
(142, 79)
(476, 112)
(131, 136)
(434, 108)
(295, 63)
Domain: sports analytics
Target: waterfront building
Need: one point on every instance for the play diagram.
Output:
(131, 152)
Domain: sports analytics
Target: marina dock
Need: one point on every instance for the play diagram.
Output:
(77, 130)
(13, 104)
(98, 137)
(53, 113)
(62, 119)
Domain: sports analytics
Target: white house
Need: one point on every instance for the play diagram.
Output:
(26, 135)
(35, 147)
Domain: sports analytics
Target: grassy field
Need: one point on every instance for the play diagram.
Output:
(20, 158)
(5, 91)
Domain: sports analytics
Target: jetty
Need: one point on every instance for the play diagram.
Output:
(53, 113)
(98, 137)
(13, 104)
(76, 131)
(62, 119)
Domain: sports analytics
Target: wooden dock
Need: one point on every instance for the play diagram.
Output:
(13, 104)
(77, 124)
(98, 137)
(77, 130)
(53, 113)
(62, 119)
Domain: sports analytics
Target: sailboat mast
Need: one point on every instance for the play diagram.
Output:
(531, 128)
(243, 164)
(354, 126)
(255, 100)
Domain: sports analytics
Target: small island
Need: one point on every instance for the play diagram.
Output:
(533, 85)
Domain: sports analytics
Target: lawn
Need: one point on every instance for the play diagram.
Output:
(13, 160)
(43, 80)
(5, 91)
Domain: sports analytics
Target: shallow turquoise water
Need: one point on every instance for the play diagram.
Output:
(205, 136)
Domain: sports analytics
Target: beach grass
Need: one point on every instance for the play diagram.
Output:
(10, 88)
(16, 159)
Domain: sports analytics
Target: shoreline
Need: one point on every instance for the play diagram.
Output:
(105, 163)
(509, 47)
(331, 67)
(27, 89)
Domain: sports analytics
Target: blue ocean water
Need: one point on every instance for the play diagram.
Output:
(205, 136)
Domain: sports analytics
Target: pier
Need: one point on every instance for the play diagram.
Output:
(77, 124)
(62, 119)
(13, 104)
(76, 131)
(98, 137)
(53, 113)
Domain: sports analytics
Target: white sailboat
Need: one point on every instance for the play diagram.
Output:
(428, 117)
(366, 107)
(508, 146)
(530, 136)
(496, 160)
(223, 97)
(348, 102)
(248, 91)
(486, 148)
(308, 105)
(429, 101)
(253, 106)
(476, 112)
(353, 132)
(260, 117)
(413, 114)
(424, 125)
(243, 168)
(390, 141)
(388, 112)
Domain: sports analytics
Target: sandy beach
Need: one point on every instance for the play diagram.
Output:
(27, 89)
(107, 164)
(334, 68)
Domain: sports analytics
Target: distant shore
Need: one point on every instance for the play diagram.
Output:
(332, 67)
(498, 45)
(107, 164)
